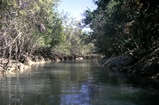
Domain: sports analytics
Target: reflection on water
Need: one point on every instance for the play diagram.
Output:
(74, 83)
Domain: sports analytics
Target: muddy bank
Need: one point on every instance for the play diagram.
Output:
(14, 66)
(141, 63)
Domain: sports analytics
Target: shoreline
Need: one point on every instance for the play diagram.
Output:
(14, 66)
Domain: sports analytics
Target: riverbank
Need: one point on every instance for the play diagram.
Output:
(14, 66)
(141, 63)
(39, 57)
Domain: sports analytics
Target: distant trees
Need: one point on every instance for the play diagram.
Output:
(122, 25)
(75, 42)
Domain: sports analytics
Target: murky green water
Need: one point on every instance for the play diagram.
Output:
(75, 83)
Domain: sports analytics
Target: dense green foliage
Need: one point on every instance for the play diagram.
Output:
(31, 28)
(26, 25)
(123, 25)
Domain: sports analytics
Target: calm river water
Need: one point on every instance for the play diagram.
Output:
(75, 83)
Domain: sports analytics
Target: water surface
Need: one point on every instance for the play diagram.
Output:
(75, 83)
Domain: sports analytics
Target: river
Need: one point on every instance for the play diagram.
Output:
(75, 83)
